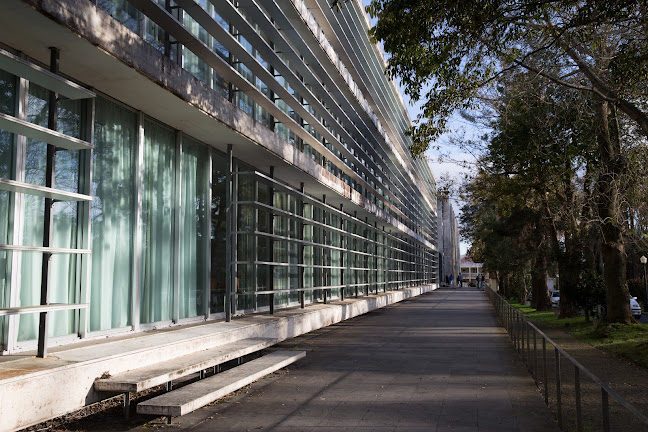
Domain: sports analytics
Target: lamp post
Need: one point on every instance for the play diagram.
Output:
(643, 261)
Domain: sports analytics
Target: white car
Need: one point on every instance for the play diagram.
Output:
(636, 309)
(555, 298)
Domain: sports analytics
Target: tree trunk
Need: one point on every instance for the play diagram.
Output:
(541, 300)
(569, 277)
(524, 294)
(504, 284)
(614, 254)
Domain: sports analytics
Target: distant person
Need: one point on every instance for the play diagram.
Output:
(447, 280)
(451, 279)
(460, 280)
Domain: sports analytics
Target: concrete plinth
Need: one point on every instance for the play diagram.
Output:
(34, 390)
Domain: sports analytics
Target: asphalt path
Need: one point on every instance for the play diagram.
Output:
(436, 362)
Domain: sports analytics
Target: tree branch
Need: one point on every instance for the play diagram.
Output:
(600, 88)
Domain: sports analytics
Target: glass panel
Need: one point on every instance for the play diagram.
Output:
(218, 232)
(194, 240)
(264, 194)
(245, 103)
(7, 93)
(245, 218)
(156, 36)
(195, 66)
(280, 276)
(308, 252)
(244, 284)
(245, 188)
(158, 197)
(191, 62)
(293, 275)
(122, 11)
(220, 85)
(112, 216)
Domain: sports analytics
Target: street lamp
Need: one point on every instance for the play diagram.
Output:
(643, 261)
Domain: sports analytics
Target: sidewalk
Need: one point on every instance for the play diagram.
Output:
(436, 362)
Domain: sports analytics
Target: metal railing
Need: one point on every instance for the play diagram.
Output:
(580, 400)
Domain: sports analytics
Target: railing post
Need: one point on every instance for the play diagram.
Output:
(522, 326)
(509, 319)
(511, 328)
(577, 391)
(535, 357)
(558, 395)
(517, 329)
(605, 408)
(528, 345)
(48, 218)
(544, 370)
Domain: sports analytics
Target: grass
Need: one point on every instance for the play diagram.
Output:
(626, 341)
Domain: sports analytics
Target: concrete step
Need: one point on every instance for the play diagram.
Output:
(193, 396)
(137, 380)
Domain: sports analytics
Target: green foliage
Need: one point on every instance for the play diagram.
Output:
(625, 341)
(452, 53)
(590, 291)
(551, 317)
(637, 289)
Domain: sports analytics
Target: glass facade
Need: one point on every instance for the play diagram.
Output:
(159, 226)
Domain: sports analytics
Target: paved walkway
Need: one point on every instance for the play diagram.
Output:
(437, 362)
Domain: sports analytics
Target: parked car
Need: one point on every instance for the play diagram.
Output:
(636, 309)
(555, 298)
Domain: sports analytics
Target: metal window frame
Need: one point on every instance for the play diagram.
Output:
(360, 257)
(25, 72)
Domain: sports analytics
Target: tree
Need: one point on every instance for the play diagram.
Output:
(456, 51)
(502, 224)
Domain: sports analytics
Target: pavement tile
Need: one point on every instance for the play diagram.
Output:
(415, 366)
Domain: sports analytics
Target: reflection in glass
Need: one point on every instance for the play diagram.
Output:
(122, 11)
(193, 236)
(218, 232)
(158, 197)
(112, 216)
